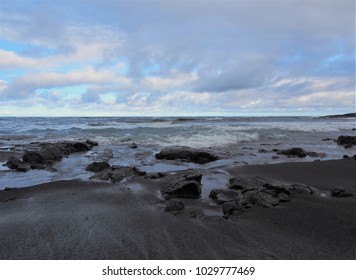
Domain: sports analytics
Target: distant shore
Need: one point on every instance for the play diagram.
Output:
(348, 115)
(96, 220)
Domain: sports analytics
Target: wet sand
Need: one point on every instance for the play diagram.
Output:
(96, 220)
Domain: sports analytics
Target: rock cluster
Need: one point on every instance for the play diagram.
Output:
(186, 154)
(249, 191)
(47, 154)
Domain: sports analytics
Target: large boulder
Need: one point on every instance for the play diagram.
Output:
(346, 141)
(184, 184)
(186, 154)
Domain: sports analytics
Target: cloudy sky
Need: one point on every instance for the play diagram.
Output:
(237, 57)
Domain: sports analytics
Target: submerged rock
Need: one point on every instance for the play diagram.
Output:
(186, 154)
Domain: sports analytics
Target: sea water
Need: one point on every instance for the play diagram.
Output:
(237, 140)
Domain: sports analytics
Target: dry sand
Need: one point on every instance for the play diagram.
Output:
(94, 220)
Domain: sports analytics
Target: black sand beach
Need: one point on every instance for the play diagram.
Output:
(97, 220)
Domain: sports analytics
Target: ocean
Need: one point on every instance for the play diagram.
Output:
(237, 140)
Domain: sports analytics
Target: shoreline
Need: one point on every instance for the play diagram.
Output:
(97, 220)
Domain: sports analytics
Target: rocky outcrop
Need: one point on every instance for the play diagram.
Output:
(346, 141)
(46, 154)
(186, 154)
(185, 184)
(97, 166)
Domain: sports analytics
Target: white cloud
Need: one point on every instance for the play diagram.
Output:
(9, 59)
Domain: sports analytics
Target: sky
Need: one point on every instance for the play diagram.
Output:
(158, 58)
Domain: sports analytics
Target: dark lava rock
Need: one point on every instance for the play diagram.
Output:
(183, 184)
(15, 163)
(247, 182)
(80, 146)
(275, 157)
(174, 205)
(249, 191)
(225, 195)
(347, 141)
(182, 189)
(50, 153)
(97, 166)
(293, 152)
(260, 198)
(340, 193)
(301, 188)
(116, 173)
(186, 154)
(47, 154)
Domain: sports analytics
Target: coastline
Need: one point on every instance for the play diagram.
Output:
(97, 220)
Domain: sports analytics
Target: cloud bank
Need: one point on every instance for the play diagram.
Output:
(177, 57)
